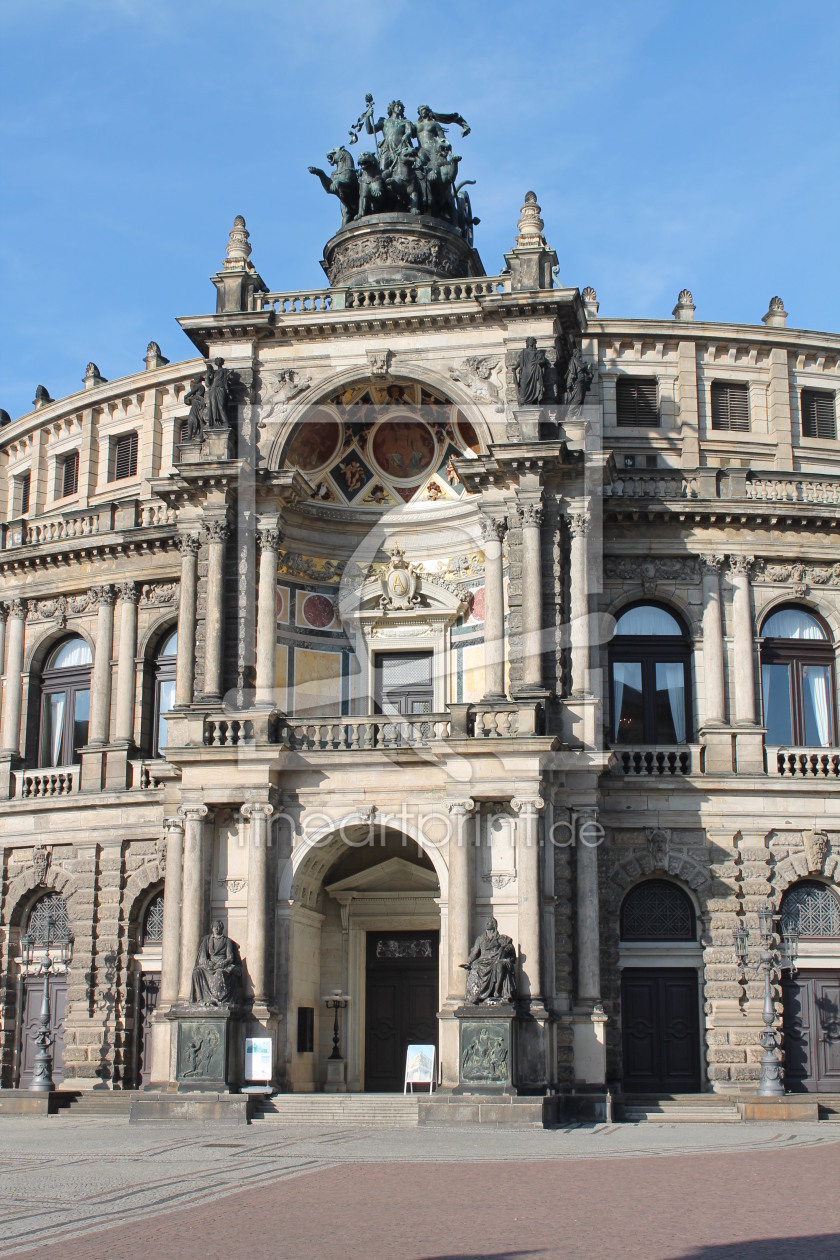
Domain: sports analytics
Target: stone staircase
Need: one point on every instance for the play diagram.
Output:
(386, 1111)
(106, 1104)
(676, 1108)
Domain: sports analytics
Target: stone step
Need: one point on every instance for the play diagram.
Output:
(368, 1110)
(684, 1108)
(100, 1105)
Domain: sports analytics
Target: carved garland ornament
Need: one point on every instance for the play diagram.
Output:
(650, 571)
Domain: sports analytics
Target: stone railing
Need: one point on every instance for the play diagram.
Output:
(38, 785)
(804, 763)
(319, 301)
(348, 734)
(67, 527)
(651, 486)
(156, 514)
(658, 760)
(150, 775)
(61, 529)
(505, 721)
(245, 729)
(793, 490)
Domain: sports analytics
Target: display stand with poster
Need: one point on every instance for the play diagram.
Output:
(420, 1067)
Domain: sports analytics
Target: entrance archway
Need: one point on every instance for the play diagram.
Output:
(811, 996)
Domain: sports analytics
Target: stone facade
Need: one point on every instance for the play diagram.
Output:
(288, 798)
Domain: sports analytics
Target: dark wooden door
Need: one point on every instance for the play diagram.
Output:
(148, 1000)
(403, 682)
(660, 1030)
(811, 1026)
(401, 1003)
(32, 997)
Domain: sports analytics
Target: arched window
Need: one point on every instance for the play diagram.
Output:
(797, 680)
(649, 678)
(65, 703)
(812, 909)
(164, 689)
(153, 921)
(49, 910)
(657, 911)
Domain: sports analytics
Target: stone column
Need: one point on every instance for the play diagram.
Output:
(713, 639)
(529, 897)
(579, 602)
(461, 859)
(126, 666)
(217, 533)
(170, 962)
(192, 892)
(14, 679)
(185, 662)
(100, 681)
(269, 538)
(260, 907)
(532, 627)
(744, 640)
(4, 613)
(493, 531)
(588, 935)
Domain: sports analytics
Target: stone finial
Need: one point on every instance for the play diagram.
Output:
(684, 310)
(42, 397)
(154, 358)
(776, 316)
(5, 418)
(590, 301)
(92, 377)
(530, 226)
(238, 249)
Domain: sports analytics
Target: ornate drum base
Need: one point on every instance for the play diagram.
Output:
(397, 249)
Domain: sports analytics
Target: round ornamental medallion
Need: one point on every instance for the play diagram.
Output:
(318, 611)
(316, 441)
(477, 605)
(404, 448)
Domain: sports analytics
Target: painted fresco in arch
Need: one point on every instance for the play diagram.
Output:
(377, 445)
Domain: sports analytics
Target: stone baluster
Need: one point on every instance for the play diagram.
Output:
(531, 515)
(100, 681)
(126, 665)
(269, 537)
(192, 891)
(579, 602)
(170, 964)
(461, 860)
(217, 532)
(740, 567)
(588, 918)
(260, 908)
(713, 640)
(185, 662)
(493, 530)
(14, 678)
(529, 896)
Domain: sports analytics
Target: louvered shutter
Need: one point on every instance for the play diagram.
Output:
(730, 407)
(70, 475)
(636, 401)
(125, 456)
(819, 419)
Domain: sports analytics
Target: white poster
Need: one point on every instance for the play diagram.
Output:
(420, 1066)
(258, 1058)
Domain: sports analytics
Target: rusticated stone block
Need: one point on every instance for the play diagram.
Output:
(717, 989)
(717, 1037)
(718, 1072)
(746, 1072)
(726, 1054)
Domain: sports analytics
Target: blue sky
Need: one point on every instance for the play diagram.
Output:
(669, 145)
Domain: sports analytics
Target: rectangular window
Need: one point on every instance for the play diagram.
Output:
(67, 475)
(636, 401)
(775, 686)
(819, 419)
(730, 407)
(123, 457)
(22, 487)
(628, 704)
(305, 1029)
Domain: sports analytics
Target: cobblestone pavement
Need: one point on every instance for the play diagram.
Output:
(91, 1189)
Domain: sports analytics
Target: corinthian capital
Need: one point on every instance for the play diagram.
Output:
(493, 528)
(103, 596)
(578, 524)
(189, 544)
(711, 564)
(129, 592)
(217, 530)
(531, 513)
(269, 537)
(741, 566)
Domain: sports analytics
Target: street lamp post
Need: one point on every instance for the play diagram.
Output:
(42, 1080)
(336, 1082)
(778, 951)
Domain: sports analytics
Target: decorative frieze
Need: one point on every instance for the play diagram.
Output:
(800, 577)
(651, 570)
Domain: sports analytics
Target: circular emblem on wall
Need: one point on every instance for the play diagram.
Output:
(318, 611)
(316, 442)
(477, 605)
(403, 448)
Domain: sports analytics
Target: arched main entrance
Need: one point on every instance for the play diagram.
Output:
(811, 996)
(363, 919)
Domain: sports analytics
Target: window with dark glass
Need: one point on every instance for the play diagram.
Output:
(797, 680)
(164, 688)
(636, 401)
(123, 457)
(812, 909)
(67, 475)
(730, 406)
(819, 416)
(65, 703)
(657, 910)
(649, 678)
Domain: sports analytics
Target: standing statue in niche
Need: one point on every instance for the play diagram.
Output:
(196, 397)
(578, 381)
(529, 374)
(217, 383)
(217, 974)
(491, 968)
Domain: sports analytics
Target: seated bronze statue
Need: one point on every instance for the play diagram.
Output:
(217, 975)
(491, 968)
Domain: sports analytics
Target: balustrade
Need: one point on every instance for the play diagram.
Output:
(804, 763)
(35, 785)
(659, 760)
